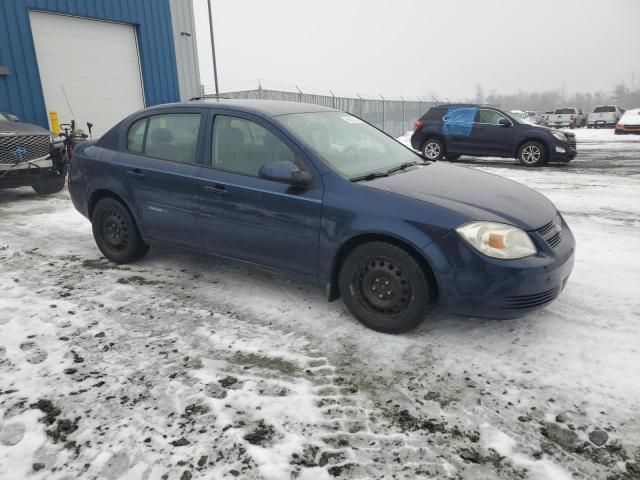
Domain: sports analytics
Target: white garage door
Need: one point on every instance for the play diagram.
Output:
(95, 63)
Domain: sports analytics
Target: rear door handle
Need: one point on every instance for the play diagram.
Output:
(217, 189)
(135, 173)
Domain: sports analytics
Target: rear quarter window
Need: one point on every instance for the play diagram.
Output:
(135, 136)
(434, 114)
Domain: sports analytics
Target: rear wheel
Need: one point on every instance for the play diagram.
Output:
(49, 185)
(116, 233)
(433, 149)
(532, 154)
(385, 288)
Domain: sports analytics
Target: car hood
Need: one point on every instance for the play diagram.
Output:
(476, 194)
(20, 128)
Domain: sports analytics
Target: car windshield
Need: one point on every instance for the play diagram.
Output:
(4, 118)
(604, 109)
(349, 145)
(565, 111)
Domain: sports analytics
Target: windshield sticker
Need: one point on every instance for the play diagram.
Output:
(458, 121)
(352, 120)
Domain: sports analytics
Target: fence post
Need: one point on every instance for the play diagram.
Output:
(300, 94)
(404, 125)
(333, 100)
(358, 95)
(382, 113)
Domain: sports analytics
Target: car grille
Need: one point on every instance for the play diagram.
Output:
(517, 302)
(572, 142)
(552, 232)
(22, 148)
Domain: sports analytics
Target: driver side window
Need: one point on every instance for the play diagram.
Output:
(242, 146)
(490, 117)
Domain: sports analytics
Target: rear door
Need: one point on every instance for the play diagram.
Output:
(457, 127)
(488, 136)
(161, 173)
(251, 218)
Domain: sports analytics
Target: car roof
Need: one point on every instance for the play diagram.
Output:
(269, 108)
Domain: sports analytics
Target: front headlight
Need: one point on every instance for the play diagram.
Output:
(559, 135)
(498, 240)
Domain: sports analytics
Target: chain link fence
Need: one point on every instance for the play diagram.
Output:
(395, 117)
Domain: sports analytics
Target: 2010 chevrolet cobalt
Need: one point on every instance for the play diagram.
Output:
(322, 194)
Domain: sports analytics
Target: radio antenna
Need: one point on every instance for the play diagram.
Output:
(73, 116)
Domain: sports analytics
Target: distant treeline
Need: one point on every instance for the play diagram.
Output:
(621, 95)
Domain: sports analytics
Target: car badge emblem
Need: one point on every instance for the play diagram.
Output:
(19, 153)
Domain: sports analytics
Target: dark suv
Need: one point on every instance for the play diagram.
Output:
(449, 131)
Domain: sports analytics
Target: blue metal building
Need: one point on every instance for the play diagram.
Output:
(49, 50)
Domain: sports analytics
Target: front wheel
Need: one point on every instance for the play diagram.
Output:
(532, 154)
(433, 149)
(50, 184)
(116, 233)
(385, 288)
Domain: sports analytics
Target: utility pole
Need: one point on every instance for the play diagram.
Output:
(213, 48)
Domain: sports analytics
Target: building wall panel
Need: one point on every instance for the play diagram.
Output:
(21, 91)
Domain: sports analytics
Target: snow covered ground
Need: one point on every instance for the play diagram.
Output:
(183, 367)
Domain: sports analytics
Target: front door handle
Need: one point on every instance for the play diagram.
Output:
(217, 189)
(135, 173)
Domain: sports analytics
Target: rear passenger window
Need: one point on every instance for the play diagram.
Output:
(135, 137)
(241, 146)
(173, 136)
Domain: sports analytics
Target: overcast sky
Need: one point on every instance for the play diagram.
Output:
(413, 47)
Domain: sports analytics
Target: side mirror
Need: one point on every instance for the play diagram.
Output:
(285, 172)
(504, 122)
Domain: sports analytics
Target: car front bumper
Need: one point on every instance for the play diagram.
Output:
(479, 286)
(627, 128)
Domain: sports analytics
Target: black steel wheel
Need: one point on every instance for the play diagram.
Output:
(385, 288)
(116, 233)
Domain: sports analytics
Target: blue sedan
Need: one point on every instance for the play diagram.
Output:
(319, 193)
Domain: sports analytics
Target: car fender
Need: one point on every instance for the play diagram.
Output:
(102, 180)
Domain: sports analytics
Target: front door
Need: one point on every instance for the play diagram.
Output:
(250, 218)
(488, 136)
(162, 176)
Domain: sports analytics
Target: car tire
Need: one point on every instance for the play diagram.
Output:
(433, 149)
(532, 154)
(49, 185)
(385, 288)
(453, 157)
(116, 233)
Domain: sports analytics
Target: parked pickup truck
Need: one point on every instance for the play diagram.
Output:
(30, 156)
(567, 117)
(604, 116)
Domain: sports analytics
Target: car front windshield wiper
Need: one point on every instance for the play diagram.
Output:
(403, 166)
(369, 176)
